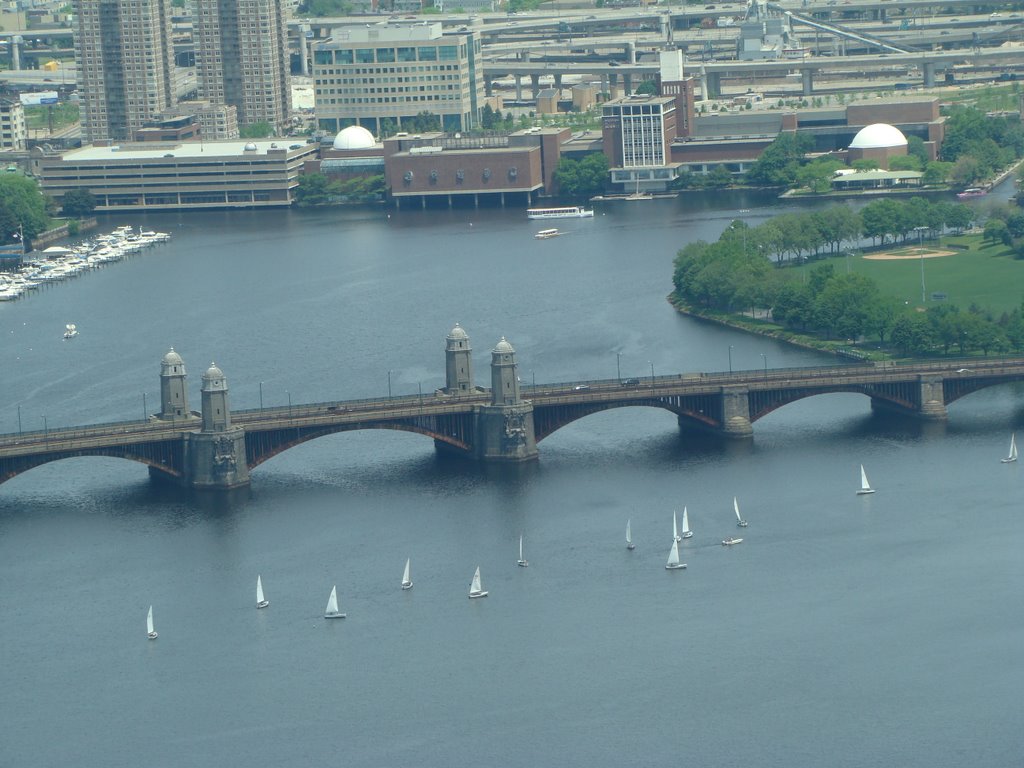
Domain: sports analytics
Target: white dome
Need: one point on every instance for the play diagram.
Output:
(354, 137)
(878, 136)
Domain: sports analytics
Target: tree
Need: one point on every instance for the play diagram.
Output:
(906, 163)
(581, 178)
(648, 87)
(78, 203)
(778, 164)
(916, 148)
(325, 8)
(22, 206)
(260, 130)
(312, 190)
(936, 172)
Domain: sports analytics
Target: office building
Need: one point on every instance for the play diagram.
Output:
(381, 76)
(242, 59)
(12, 126)
(125, 64)
(638, 132)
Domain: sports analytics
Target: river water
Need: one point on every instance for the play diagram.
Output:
(844, 631)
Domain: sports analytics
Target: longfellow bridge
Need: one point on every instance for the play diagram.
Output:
(215, 448)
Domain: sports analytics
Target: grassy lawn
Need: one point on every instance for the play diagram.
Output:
(984, 274)
(37, 118)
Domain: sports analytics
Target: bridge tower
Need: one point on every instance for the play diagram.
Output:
(173, 391)
(504, 429)
(458, 358)
(216, 453)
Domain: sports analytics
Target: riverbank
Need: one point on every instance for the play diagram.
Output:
(769, 329)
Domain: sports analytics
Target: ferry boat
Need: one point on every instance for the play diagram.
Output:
(544, 234)
(569, 212)
(971, 192)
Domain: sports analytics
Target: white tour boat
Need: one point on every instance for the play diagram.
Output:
(544, 234)
(730, 542)
(567, 212)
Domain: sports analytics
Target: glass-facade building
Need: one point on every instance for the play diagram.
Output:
(383, 76)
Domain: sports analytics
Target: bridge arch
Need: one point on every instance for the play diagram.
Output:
(264, 445)
(549, 419)
(12, 467)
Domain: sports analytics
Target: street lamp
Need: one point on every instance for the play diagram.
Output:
(261, 397)
(19, 419)
(652, 372)
(764, 357)
(533, 377)
(730, 358)
(920, 234)
(618, 366)
(145, 411)
(419, 385)
(46, 430)
(389, 385)
(289, 403)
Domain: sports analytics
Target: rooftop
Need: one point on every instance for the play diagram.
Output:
(189, 149)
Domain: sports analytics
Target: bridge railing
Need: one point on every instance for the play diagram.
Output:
(434, 398)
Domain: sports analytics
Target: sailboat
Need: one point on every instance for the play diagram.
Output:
(675, 529)
(332, 611)
(150, 632)
(673, 563)
(865, 486)
(261, 601)
(70, 331)
(406, 576)
(521, 562)
(475, 589)
(687, 533)
(740, 522)
(1012, 455)
(629, 537)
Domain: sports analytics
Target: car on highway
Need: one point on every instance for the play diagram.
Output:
(630, 382)
(581, 387)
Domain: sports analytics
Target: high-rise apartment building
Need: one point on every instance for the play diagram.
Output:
(242, 58)
(125, 64)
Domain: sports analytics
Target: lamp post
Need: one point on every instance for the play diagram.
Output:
(764, 357)
(651, 363)
(46, 430)
(389, 385)
(145, 411)
(730, 358)
(261, 397)
(289, 403)
(533, 377)
(618, 366)
(419, 385)
(920, 235)
(19, 419)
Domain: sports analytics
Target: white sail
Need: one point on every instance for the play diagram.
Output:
(407, 575)
(332, 611)
(475, 589)
(739, 519)
(687, 533)
(673, 558)
(522, 560)
(149, 624)
(261, 601)
(675, 528)
(1012, 455)
(629, 536)
(865, 486)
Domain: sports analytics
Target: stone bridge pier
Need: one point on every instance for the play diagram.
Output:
(929, 400)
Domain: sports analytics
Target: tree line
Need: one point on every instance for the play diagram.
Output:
(740, 273)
